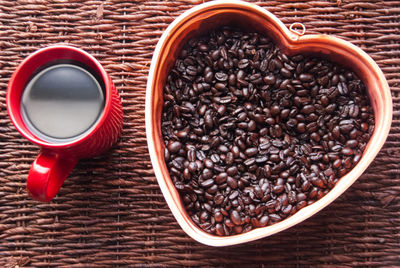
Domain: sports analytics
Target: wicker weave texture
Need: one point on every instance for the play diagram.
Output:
(110, 211)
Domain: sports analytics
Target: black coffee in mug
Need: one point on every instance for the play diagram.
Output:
(62, 101)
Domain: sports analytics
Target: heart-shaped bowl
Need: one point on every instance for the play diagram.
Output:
(202, 19)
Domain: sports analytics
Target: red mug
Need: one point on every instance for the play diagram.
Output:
(56, 160)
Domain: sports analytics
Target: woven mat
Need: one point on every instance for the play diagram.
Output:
(110, 211)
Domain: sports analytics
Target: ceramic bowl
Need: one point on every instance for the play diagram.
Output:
(202, 19)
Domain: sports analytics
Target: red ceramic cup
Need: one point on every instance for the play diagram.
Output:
(56, 160)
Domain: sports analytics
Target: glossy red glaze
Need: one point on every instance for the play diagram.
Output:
(56, 160)
(48, 172)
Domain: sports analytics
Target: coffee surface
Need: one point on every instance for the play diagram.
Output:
(62, 102)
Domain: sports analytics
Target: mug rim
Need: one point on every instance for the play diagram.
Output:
(15, 113)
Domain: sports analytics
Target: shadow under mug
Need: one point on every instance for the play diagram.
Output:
(56, 160)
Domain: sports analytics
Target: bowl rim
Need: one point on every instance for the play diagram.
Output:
(378, 138)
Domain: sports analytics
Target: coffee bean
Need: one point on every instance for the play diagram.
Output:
(223, 149)
(233, 195)
(186, 174)
(232, 79)
(220, 76)
(278, 189)
(337, 163)
(218, 199)
(207, 183)
(352, 143)
(231, 171)
(243, 63)
(251, 151)
(235, 217)
(208, 163)
(250, 161)
(261, 159)
(219, 229)
(286, 73)
(275, 110)
(301, 127)
(203, 47)
(356, 158)
(174, 147)
(192, 167)
(207, 174)
(306, 77)
(220, 87)
(264, 221)
(253, 135)
(314, 136)
(346, 128)
(269, 79)
(307, 109)
(232, 182)
(208, 121)
(347, 151)
(221, 177)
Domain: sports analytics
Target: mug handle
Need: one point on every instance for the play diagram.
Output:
(48, 172)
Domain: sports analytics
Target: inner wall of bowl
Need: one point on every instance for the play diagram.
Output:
(207, 21)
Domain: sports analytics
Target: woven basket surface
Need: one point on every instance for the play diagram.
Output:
(110, 211)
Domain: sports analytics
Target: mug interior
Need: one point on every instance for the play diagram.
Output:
(202, 21)
(35, 63)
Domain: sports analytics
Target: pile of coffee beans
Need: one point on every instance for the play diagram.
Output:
(252, 135)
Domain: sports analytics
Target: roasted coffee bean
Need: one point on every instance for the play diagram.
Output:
(219, 229)
(207, 183)
(301, 127)
(251, 151)
(347, 151)
(223, 149)
(278, 189)
(208, 121)
(269, 79)
(337, 163)
(192, 167)
(286, 73)
(231, 171)
(232, 79)
(250, 161)
(208, 163)
(207, 174)
(243, 63)
(308, 109)
(221, 178)
(233, 195)
(275, 110)
(220, 76)
(263, 221)
(252, 135)
(232, 182)
(306, 77)
(174, 146)
(229, 158)
(235, 217)
(314, 136)
(261, 159)
(208, 75)
(218, 199)
(352, 143)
